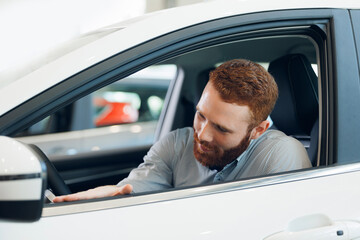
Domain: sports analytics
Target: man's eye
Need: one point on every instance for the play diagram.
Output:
(200, 115)
(223, 130)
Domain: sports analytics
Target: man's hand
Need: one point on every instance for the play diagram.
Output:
(99, 192)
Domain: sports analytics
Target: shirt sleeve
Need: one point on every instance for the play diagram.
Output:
(156, 172)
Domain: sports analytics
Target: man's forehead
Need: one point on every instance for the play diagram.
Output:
(221, 112)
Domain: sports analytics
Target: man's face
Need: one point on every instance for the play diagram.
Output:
(220, 129)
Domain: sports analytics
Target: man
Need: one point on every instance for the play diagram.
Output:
(228, 140)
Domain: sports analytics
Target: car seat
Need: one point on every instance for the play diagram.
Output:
(296, 112)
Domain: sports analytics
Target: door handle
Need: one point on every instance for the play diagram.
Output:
(319, 227)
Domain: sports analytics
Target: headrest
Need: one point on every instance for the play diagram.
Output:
(296, 109)
(202, 80)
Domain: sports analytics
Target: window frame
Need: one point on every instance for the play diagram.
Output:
(300, 18)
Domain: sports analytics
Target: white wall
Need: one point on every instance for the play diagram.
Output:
(30, 27)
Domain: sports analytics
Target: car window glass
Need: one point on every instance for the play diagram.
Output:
(129, 108)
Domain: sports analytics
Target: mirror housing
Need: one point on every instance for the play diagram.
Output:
(22, 181)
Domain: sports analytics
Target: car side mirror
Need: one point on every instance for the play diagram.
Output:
(22, 181)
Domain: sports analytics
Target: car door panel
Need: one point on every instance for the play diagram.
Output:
(252, 209)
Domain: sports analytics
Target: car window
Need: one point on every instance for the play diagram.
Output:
(138, 98)
(126, 109)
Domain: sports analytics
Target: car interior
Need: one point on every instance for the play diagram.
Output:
(291, 59)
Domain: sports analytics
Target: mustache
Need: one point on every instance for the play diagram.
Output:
(202, 142)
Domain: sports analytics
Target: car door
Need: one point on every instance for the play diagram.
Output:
(315, 203)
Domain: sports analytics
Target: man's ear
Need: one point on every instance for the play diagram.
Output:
(259, 129)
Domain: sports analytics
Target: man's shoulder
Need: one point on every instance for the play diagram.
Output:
(274, 151)
(275, 136)
(185, 131)
(182, 133)
(272, 133)
(275, 139)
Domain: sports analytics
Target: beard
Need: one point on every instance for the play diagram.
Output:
(217, 158)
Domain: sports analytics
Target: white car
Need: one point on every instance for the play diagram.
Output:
(312, 48)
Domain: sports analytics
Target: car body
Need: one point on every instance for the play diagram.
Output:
(316, 203)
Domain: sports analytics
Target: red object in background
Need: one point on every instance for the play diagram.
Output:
(115, 113)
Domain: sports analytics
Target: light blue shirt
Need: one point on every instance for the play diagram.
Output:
(171, 163)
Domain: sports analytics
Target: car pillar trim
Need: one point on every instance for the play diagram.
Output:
(20, 176)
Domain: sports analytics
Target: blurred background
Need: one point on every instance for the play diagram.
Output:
(30, 27)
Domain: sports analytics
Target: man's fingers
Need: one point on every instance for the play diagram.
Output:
(99, 192)
(66, 198)
(127, 189)
(59, 199)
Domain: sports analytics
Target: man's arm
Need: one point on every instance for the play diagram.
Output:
(154, 174)
(99, 192)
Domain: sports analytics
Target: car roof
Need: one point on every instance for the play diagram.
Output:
(92, 48)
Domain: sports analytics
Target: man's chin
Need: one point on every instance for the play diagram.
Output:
(206, 159)
(217, 159)
(210, 165)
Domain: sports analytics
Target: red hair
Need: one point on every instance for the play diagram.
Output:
(247, 83)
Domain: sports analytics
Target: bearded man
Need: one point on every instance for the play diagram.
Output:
(229, 139)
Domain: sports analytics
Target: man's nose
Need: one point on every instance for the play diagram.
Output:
(205, 133)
